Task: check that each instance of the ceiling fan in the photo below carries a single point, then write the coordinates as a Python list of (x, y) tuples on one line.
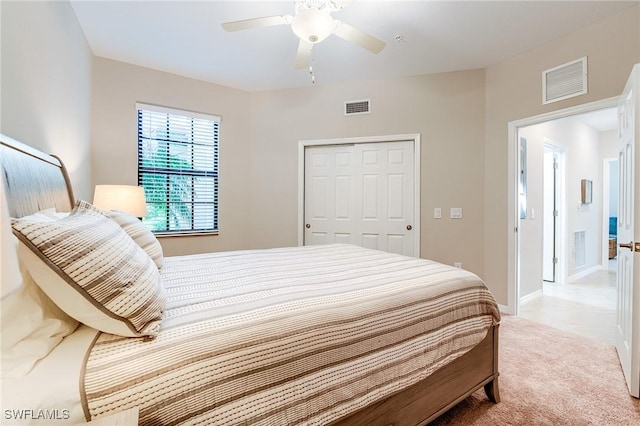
[(312, 23)]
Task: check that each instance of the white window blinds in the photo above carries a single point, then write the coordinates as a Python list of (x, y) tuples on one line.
[(178, 167)]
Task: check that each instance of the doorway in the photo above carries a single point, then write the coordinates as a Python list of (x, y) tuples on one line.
[(552, 207), (519, 263), (610, 181)]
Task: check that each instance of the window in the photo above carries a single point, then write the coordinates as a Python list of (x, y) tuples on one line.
[(178, 168)]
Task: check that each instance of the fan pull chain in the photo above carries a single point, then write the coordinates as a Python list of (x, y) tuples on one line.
[(313, 77)]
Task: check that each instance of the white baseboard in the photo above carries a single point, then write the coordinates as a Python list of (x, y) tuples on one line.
[(504, 309), (584, 273), (531, 296)]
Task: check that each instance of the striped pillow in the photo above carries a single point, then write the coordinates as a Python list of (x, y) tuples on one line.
[(140, 234), (94, 271)]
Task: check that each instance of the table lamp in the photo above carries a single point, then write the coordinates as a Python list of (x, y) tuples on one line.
[(125, 198)]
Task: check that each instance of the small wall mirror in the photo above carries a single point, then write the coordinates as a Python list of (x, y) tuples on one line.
[(586, 195)]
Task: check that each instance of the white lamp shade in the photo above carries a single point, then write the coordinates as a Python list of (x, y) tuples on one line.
[(312, 25), (125, 198)]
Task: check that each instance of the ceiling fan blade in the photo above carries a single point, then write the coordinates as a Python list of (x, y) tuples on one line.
[(304, 54), (358, 37), (336, 5), (247, 24)]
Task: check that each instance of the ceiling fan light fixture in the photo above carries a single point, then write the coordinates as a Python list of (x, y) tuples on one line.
[(312, 25)]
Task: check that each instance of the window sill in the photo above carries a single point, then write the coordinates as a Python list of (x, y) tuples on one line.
[(186, 234)]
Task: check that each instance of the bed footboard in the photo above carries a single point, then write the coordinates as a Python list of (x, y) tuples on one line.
[(428, 399)]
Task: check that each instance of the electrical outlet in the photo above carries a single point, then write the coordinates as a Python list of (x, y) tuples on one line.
[(457, 264), (456, 213)]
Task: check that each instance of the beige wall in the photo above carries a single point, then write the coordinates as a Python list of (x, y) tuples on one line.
[(116, 89), (446, 109), (46, 84), (47, 101), (513, 92), (531, 226), (259, 142), (609, 144), (584, 162)]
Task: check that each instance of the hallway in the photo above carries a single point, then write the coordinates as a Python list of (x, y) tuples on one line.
[(586, 306)]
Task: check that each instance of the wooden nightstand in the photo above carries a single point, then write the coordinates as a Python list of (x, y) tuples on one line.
[(123, 418)]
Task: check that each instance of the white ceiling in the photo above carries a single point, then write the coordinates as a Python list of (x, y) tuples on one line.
[(185, 37), (601, 120)]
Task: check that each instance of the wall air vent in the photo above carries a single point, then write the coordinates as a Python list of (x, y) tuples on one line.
[(357, 107), (564, 81)]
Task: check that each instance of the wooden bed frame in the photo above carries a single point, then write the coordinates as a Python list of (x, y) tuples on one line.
[(34, 181), (428, 399)]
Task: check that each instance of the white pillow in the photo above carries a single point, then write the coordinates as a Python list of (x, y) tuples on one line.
[(94, 271), (31, 324), (139, 232)]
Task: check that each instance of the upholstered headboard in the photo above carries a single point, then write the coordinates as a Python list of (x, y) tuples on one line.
[(33, 180)]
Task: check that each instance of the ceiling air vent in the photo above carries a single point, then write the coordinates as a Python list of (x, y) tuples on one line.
[(357, 107), (565, 81)]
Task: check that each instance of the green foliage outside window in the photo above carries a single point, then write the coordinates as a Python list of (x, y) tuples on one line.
[(178, 168), (163, 207)]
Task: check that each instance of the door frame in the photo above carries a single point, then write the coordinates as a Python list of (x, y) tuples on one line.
[(561, 248), (513, 216), (606, 198), (412, 137)]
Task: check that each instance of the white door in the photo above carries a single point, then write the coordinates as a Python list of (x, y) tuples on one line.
[(628, 280), (360, 194), (549, 215)]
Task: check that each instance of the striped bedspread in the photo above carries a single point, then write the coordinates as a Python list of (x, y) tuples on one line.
[(288, 336)]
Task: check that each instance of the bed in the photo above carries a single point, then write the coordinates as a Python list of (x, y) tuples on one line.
[(331, 334)]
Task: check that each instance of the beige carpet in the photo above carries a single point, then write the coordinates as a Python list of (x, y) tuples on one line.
[(550, 377)]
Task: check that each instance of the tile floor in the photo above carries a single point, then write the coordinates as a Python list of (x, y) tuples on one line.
[(586, 306)]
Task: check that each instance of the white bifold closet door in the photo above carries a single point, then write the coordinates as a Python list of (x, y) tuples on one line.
[(360, 194)]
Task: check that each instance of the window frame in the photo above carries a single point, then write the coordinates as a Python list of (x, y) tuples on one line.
[(214, 172)]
